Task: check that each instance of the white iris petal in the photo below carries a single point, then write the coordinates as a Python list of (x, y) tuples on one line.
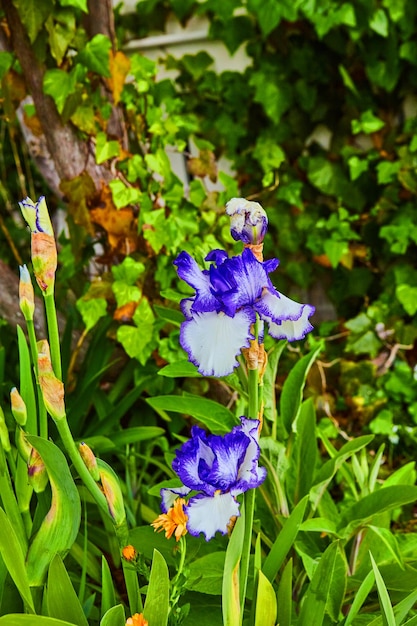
[(287, 319), (209, 515), (213, 340)]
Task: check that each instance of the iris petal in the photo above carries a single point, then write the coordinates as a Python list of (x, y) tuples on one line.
[(191, 463), (213, 340), (190, 272), (229, 452), (169, 495), (210, 515), (287, 319)]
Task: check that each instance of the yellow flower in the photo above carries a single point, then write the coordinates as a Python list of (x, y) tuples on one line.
[(129, 553), (174, 522), (136, 620)]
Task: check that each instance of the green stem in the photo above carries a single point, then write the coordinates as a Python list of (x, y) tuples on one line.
[(129, 573), (253, 392), (84, 474), (176, 591), (42, 415), (53, 334)]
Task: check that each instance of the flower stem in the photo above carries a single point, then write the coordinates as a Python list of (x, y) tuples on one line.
[(84, 474), (53, 333)]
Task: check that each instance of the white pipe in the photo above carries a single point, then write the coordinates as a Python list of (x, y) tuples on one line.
[(170, 39)]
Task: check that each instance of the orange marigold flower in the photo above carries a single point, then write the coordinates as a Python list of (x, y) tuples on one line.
[(129, 553), (136, 620), (174, 522)]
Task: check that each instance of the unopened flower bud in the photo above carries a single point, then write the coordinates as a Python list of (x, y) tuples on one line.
[(129, 553), (23, 446), (4, 433), (26, 294), (44, 253), (18, 407), (111, 489), (90, 460), (52, 388), (248, 221), (37, 472)]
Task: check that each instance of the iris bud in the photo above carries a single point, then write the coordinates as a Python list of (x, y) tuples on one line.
[(44, 253), (90, 460), (37, 472), (52, 388), (18, 407), (111, 489), (26, 294), (248, 221), (4, 433)]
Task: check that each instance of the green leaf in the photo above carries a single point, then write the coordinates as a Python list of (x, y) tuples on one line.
[(335, 250), (96, 55), (285, 595), (360, 597), (216, 417), (180, 369), (60, 84), (108, 596), (31, 620), (136, 340), (115, 616), (407, 296), (14, 559), (33, 15), (122, 195), (206, 573), (128, 271), (156, 607), (327, 588), (373, 504), (292, 390), (27, 390), (387, 171), (266, 602), (230, 586), (92, 310), (329, 469), (384, 598), (61, 599), (357, 166), (284, 541), (76, 4), (387, 538), (59, 528), (368, 123), (6, 62), (106, 150), (303, 455), (379, 23)]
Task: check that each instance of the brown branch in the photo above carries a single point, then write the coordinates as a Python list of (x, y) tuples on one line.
[(70, 155)]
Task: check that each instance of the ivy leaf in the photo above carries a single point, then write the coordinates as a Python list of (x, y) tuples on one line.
[(357, 166), (128, 271), (270, 13), (335, 250), (368, 123), (59, 84), (76, 4), (6, 62), (33, 15), (96, 55), (61, 29), (119, 69), (122, 195), (407, 296), (379, 23), (387, 171), (106, 149), (91, 311)]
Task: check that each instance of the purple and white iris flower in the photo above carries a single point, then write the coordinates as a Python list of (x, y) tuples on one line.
[(218, 468), (229, 296)]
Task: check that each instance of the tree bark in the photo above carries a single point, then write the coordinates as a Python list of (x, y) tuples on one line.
[(71, 156)]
